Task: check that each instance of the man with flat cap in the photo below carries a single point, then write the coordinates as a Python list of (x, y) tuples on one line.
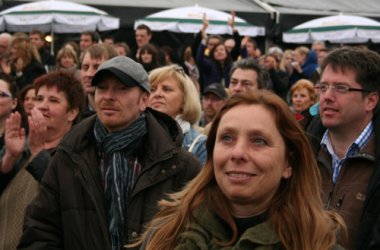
[(213, 98), (111, 169)]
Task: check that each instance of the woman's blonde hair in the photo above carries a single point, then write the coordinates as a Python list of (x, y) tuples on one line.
[(287, 53), (305, 84), (302, 50), (296, 211), (191, 109), (25, 48)]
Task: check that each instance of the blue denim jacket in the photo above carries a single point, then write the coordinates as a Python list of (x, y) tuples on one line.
[(199, 149)]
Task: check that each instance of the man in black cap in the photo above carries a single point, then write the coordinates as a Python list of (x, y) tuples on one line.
[(213, 98), (111, 170)]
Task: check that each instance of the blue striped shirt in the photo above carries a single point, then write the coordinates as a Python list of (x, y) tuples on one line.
[(353, 149)]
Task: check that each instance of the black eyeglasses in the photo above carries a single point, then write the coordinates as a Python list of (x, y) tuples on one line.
[(4, 94), (338, 88)]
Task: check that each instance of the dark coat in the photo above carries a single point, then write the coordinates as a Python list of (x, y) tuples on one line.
[(69, 212), (280, 82), (308, 68), (212, 71), (368, 231), (31, 71)]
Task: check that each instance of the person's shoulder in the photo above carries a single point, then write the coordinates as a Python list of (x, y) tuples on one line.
[(315, 127), (77, 134), (158, 120), (189, 164), (314, 132)]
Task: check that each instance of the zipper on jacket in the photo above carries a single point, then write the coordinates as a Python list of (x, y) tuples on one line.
[(331, 192)]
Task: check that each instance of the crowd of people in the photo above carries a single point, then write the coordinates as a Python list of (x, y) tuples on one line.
[(106, 146)]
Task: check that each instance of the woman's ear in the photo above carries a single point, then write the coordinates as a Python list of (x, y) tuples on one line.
[(14, 103), (72, 114), (287, 173)]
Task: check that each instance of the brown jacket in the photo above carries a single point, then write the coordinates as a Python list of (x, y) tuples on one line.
[(348, 195)]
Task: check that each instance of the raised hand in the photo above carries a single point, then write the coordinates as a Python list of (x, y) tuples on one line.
[(4, 64), (231, 21), (14, 142), (297, 67), (204, 26), (37, 131), (205, 22)]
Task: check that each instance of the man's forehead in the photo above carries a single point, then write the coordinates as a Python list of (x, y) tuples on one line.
[(85, 37), (249, 74), (142, 32), (339, 69), (88, 58)]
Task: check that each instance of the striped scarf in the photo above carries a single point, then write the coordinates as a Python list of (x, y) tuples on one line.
[(118, 173)]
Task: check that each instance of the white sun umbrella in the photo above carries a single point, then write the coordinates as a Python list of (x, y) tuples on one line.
[(56, 16), (189, 20), (335, 29)]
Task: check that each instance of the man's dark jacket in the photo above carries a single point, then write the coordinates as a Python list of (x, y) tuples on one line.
[(69, 212), (368, 236)]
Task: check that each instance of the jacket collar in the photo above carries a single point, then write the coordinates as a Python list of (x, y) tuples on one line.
[(262, 234)]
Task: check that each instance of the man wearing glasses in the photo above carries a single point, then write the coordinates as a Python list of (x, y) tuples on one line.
[(348, 149)]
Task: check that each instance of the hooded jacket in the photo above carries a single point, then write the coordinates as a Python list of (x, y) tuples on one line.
[(69, 212), (308, 68)]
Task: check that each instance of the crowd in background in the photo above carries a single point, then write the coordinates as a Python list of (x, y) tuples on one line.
[(42, 96)]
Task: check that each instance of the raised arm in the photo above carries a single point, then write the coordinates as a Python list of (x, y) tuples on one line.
[(14, 142)]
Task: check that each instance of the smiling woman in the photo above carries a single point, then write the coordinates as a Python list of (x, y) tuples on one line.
[(25, 157), (259, 187)]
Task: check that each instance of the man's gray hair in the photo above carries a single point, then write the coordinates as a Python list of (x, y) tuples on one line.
[(263, 78), (7, 36)]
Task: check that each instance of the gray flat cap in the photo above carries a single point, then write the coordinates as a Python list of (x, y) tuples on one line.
[(129, 72)]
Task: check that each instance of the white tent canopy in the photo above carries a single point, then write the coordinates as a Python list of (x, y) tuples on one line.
[(57, 17), (369, 8), (335, 29), (189, 20)]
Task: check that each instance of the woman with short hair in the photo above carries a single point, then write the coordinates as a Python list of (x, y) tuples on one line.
[(67, 62), (25, 158), (174, 93), (303, 96)]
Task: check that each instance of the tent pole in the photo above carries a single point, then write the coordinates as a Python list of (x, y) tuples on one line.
[(52, 42)]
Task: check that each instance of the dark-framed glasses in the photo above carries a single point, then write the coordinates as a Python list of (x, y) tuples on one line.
[(338, 88), (4, 94)]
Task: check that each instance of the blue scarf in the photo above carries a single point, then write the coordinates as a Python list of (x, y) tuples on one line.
[(118, 173)]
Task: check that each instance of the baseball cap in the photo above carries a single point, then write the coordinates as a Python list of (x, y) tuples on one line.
[(216, 89), (129, 72)]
